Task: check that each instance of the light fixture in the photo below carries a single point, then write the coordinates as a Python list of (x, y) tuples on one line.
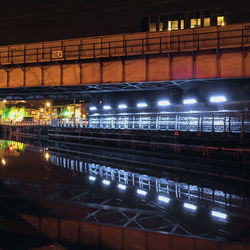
[(163, 198), (121, 186), (92, 108), (92, 178), (3, 161), (217, 99), (106, 107), (142, 105), (46, 156), (141, 192), (190, 206), (122, 106), (106, 182), (219, 214), (163, 103), (189, 101), (47, 104)]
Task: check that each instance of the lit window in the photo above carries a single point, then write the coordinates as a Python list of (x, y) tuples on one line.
[(161, 26), (194, 23), (152, 27), (207, 22), (220, 21), (182, 24), (173, 25), (169, 26)]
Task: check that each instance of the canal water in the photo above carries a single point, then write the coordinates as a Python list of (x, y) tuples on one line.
[(114, 188)]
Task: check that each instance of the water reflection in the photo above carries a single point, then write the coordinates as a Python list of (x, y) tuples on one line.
[(66, 183), (142, 184)]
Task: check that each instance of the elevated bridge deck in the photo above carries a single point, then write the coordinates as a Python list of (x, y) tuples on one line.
[(202, 53)]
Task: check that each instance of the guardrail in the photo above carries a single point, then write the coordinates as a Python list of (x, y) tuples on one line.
[(218, 121), (25, 123), (123, 45)]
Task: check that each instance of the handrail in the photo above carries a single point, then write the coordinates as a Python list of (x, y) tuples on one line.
[(25, 123), (158, 44), (221, 122)]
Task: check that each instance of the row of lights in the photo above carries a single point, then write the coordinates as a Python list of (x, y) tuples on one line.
[(162, 198), (163, 103)]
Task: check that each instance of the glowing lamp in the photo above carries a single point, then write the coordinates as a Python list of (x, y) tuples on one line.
[(142, 105), (217, 99), (163, 103), (106, 107), (189, 101)]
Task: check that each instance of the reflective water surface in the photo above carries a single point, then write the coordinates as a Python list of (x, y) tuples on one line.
[(128, 192)]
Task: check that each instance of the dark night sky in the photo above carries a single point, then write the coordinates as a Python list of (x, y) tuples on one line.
[(31, 21)]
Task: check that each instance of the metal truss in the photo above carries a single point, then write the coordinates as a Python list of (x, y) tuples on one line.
[(82, 90), (92, 206)]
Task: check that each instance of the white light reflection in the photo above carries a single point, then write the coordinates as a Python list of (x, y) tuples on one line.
[(92, 108), (190, 206), (92, 178), (121, 186), (219, 214), (106, 182), (163, 198), (141, 192)]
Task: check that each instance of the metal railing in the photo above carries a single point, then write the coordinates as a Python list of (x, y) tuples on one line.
[(234, 122), (218, 121), (179, 190), (25, 123), (123, 45)]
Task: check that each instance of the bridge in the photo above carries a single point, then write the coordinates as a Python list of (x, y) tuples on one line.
[(127, 61)]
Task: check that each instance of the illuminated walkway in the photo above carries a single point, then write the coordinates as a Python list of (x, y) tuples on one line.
[(216, 121)]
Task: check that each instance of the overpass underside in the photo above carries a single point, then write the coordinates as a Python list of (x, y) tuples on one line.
[(129, 61)]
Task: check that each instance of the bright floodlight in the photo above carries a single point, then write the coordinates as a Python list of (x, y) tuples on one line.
[(189, 101), (218, 98), (141, 192), (190, 206), (163, 103), (219, 214), (122, 106), (163, 198), (121, 186), (106, 107), (92, 108), (142, 105), (92, 178), (106, 182)]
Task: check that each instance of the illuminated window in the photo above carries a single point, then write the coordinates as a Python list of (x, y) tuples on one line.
[(207, 22), (182, 24), (169, 26), (194, 23), (220, 21), (161, 26), (152, 27), (173, 25)]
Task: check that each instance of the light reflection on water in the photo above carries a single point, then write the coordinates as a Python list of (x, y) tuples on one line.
[(178, 190), (193, 201)]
